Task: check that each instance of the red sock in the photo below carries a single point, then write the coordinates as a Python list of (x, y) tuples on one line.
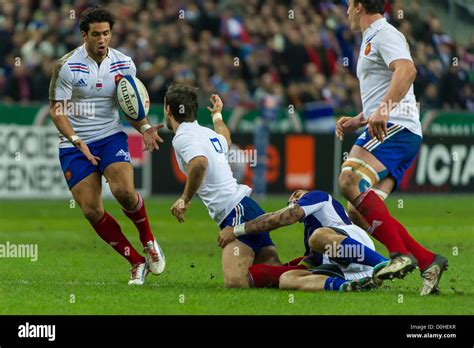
[(265, 276), (373, 208), (422, 255), (294, 262), (140, 219), (109, 230)]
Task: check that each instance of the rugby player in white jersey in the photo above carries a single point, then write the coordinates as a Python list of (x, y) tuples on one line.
[(201, 155), (389, 144), (340, 256), (92, 141)]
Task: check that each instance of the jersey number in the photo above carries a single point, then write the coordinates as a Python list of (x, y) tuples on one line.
[(217, 145)]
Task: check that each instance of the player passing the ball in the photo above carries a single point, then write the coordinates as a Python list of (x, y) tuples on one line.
[(93, 144), (201, 155), (388, 145)]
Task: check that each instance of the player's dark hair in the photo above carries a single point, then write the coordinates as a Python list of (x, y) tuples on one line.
[(183, 102), (372, 6), (95, 14)]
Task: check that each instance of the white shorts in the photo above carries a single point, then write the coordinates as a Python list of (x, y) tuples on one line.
[(353, 270)]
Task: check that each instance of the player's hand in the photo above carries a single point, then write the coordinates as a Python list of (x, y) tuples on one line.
[(82, 146), (217, 104), (378, 125), (178, 209), (226, 236), (346, 125), (151, 138)]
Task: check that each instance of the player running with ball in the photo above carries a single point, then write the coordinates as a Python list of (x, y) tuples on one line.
[(388, 146), (94, 144)]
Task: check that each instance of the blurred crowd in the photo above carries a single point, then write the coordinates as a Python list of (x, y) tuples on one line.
[(299, 50)]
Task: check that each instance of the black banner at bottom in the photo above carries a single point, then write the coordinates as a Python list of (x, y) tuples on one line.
[(44, 331)]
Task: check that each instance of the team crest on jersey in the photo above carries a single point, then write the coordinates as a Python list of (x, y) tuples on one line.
[(368, 49), (117, 78), (68, 175)]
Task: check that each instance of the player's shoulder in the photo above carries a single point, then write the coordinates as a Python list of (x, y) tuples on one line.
[(313, 197), (388, 32), (68, 59), (117, 55), (186, 132)]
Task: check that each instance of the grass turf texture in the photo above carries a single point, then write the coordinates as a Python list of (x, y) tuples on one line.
[(77, 273)]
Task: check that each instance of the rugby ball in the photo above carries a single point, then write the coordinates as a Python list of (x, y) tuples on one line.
[(132, 97)]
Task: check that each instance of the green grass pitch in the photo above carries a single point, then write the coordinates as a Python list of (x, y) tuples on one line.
[(77, 273)]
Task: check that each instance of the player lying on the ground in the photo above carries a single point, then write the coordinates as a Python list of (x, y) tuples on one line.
[(390, 143), (201, 155), (339, 255), (93, 145)]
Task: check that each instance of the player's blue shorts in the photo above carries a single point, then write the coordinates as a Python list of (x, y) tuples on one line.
[(245, 211), (76, 166), (396, 153)]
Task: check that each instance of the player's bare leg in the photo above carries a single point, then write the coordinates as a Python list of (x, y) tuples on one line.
[(353, 183), (308, 281), (120, 178), (302, 280), (267, 255), (237, 257), (402, 247), (88, 194)]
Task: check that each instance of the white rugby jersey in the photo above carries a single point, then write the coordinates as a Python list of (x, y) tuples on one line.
[(219, 191), (89, 89), (381, 45)]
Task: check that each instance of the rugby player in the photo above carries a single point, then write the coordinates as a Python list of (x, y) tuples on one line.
[(94, 144), (389, 144), (340, 256), (201, 155)]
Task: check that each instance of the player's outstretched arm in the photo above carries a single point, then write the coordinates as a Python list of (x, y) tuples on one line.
[(267, 222), (149, 132), (216, 112), (57, 111), (195, 175)]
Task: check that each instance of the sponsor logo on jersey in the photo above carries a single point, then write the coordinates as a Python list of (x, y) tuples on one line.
[(80, 83), (123, 153)]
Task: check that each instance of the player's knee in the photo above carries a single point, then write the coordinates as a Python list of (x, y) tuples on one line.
[(348, 184), (127, 197), (93, 214), (236, 282), (287, 280), (319, 239)]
